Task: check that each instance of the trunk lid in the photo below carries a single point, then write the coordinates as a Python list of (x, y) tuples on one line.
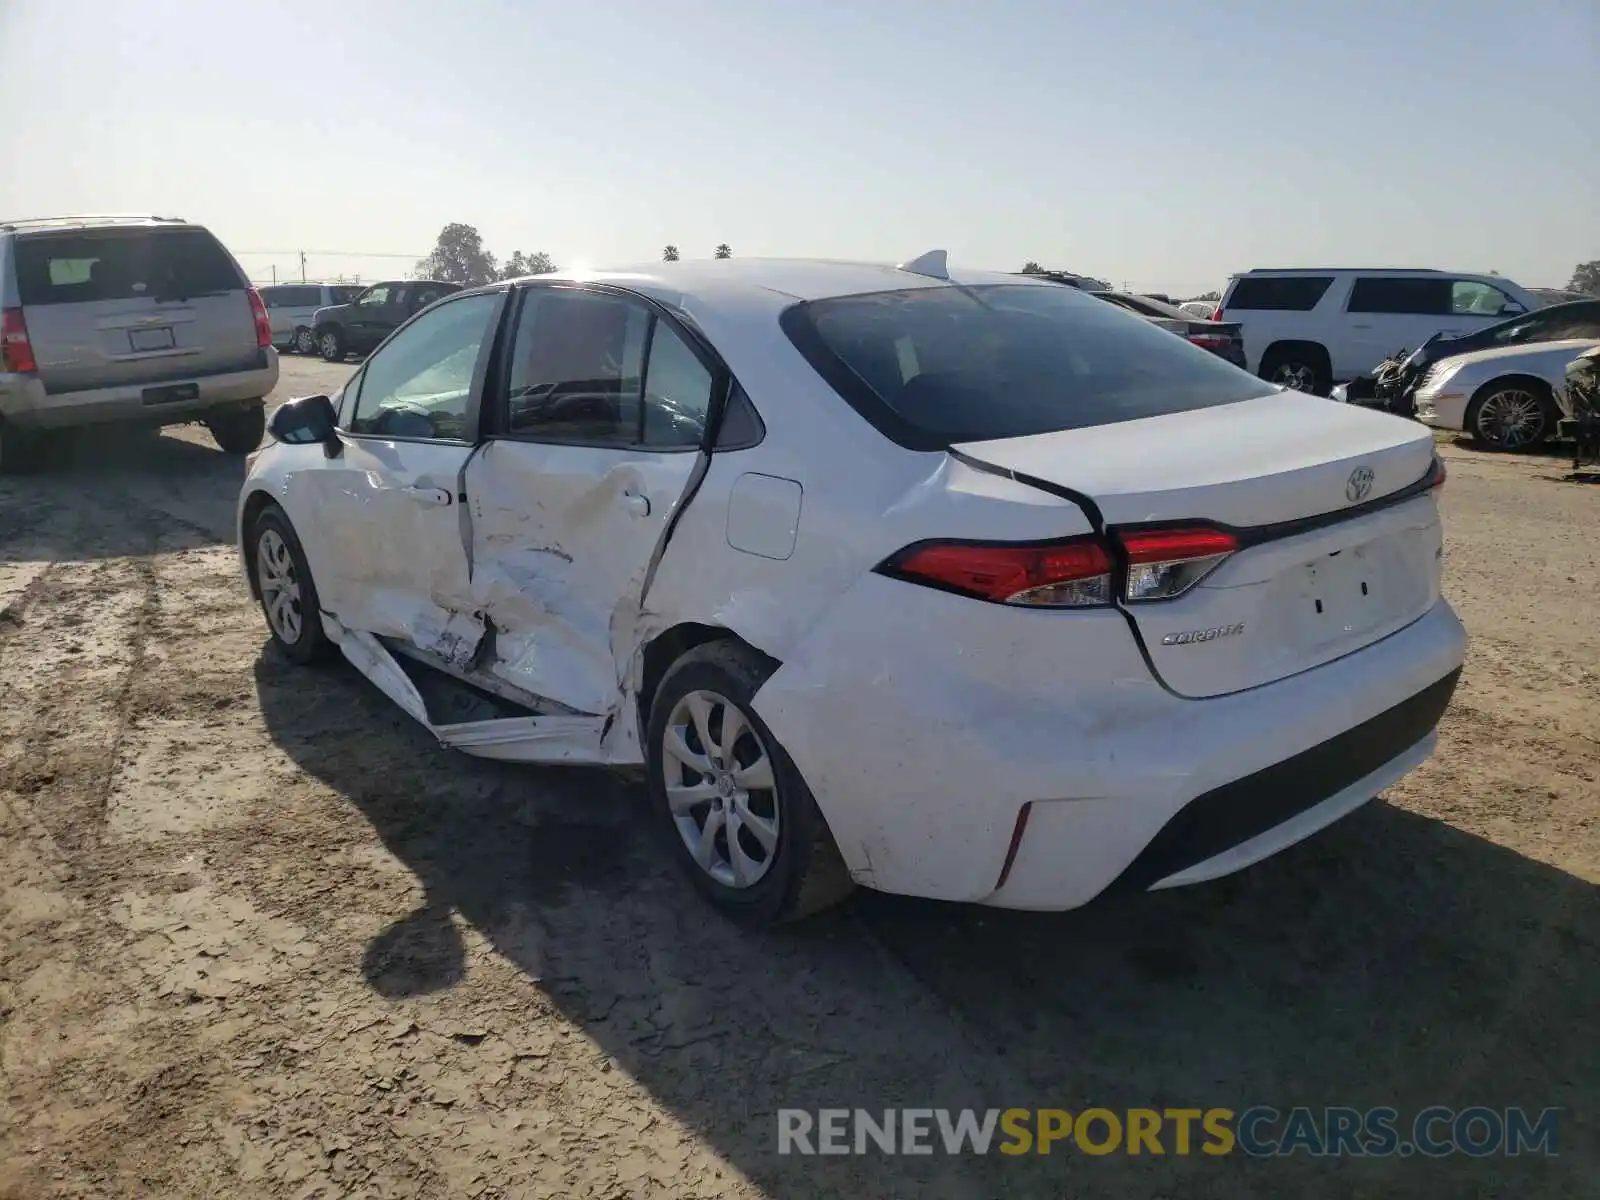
[(116, 307), (1308, 584)]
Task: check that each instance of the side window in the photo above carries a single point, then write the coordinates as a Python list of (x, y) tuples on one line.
[(1416, 295), (677, 392), (577, 368), (421, 297), (269, 296), (1469, 298), (375, 297), (1278, 293), (419, 385)]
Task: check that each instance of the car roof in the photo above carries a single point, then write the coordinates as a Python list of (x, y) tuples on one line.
[(769, 282), (24, 226)]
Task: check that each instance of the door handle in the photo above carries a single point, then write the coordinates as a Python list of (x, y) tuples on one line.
[(636, 505), (431, 496)]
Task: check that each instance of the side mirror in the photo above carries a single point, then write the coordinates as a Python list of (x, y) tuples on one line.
[(305, 420)]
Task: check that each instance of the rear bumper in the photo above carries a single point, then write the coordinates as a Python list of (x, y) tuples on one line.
[(25, 403), (963, 725)]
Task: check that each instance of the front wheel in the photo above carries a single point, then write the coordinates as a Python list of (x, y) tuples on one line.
[(305, 342), (240, 431), (331, 343), (1510, 416), (288, 593), (733, 807)]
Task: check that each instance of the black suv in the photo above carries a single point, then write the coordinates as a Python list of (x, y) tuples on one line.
[(358, 327)]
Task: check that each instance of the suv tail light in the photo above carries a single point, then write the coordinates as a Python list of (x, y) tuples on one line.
[(1163, 563), (1209, 341), (263, 322), (1217, 315), (16, 352), (1073, 573)]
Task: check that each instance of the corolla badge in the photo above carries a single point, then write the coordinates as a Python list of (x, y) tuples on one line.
[(1190, 637), (1357, 487)]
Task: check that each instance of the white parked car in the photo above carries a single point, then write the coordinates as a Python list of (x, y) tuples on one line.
[(292, 306), (1199, 308), (1506, 398), (1308, 328), (952, 584)]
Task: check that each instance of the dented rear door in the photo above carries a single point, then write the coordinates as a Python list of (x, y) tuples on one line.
[(599, 425)]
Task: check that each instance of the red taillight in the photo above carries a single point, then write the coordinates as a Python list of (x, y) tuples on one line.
[(263, 322), (1163, 563), (1075, 573), (16, 352), (1438, 473), (1208, 341)]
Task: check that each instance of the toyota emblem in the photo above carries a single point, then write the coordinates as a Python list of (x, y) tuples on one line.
[(1357, 487)]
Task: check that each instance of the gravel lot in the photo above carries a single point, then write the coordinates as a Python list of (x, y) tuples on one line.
[(259, 936)]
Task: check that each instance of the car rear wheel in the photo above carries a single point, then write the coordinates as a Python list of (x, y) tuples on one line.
[(1510, 415), (238, 432), (733, 807), (331, 343), (288, 593), (305, 342), (1301, 369)]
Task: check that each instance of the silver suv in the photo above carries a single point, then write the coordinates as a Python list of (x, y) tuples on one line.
[(145, 320)]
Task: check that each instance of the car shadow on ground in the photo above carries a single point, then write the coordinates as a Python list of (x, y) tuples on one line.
[(180, 490), (1393, 960)]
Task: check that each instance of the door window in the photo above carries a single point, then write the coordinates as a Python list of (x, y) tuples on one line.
[(677, 392), (375, 297), (1469, 298), (419, 385), (1278, 293), (577, 368), (1412, 295), (423, 296)]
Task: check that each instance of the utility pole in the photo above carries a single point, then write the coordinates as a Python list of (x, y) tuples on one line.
[(274, 273), (302, 266)]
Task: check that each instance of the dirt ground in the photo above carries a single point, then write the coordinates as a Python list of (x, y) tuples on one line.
[(260, 937)]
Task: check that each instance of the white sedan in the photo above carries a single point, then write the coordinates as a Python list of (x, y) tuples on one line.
[(1506, 398), (952, 584)]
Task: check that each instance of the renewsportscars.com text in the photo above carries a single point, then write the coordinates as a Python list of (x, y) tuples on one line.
[(1260, 1131)]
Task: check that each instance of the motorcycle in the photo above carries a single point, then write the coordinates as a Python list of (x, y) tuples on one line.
[(1580, 408)]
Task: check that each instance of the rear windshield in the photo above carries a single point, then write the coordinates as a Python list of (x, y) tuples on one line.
[(160, 264), (1281, 293), (932, 366)]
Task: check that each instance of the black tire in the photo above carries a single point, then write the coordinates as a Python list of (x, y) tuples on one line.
[(331, 344), (1487, 433), (303, 341), (1301, 366), (311, 645), (805, 873), (238, 431)]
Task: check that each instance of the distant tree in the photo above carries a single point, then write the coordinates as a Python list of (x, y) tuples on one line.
[(458, 257), (1032, 268), (520, 264), (723, 251), (1207, 296), (670, 254), (1586, 278)]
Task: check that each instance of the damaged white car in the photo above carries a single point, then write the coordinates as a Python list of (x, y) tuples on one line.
[(952, 584)]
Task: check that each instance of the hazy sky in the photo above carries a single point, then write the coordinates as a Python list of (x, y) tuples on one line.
[(1165, 145)]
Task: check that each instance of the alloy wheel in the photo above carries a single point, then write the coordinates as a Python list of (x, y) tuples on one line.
[(1296, 375), (329, 346), (280, 586), (1511, 417), (721, 790), (305, 341)]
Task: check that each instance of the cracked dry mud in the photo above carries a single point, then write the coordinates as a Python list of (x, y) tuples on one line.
[(259, 937)]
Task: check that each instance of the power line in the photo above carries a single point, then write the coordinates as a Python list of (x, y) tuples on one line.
[(334, 253)]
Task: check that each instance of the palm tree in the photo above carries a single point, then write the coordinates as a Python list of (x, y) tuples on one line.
[(670, 254), (723, 251)]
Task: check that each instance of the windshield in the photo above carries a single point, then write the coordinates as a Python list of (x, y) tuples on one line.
[(932, 366)]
